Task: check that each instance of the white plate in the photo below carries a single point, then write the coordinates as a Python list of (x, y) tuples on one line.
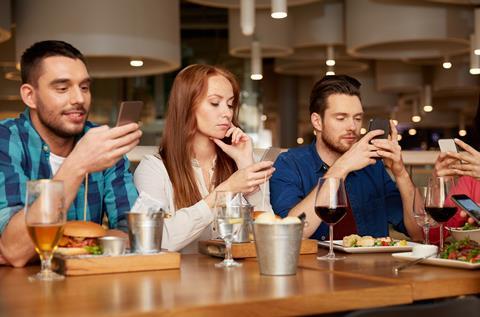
[(407, 256), (338, 245)]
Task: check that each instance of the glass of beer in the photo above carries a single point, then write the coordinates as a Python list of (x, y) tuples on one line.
[(45, 216)]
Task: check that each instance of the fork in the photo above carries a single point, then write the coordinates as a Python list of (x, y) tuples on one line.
[(403, 266)]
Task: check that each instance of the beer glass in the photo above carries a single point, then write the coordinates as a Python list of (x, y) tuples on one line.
[(45, 216)]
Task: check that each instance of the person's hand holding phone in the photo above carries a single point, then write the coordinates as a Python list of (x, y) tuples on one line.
[(391, 152), (240, 149), (361, 154), (464, 163)]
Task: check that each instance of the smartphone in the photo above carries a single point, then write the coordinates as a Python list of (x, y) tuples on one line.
[(467, 204), (447, 145), (271, 154), (129, 112), (379, 124)]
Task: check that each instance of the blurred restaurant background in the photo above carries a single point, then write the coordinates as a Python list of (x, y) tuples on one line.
[(416, 60)]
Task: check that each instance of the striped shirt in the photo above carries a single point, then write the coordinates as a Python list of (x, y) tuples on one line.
[(25, 156)]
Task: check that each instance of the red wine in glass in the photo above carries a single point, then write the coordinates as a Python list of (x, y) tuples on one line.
[(331, 215), (441, 214)]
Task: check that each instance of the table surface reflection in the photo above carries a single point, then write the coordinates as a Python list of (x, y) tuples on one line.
[(199, 288)]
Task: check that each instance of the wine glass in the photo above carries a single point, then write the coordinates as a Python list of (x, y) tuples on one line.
[(331, 206), (436, 203), (45, 217), (421, 216), (229, 220)]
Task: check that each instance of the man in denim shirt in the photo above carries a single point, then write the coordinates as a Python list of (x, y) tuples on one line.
[(336, 116), (52, 139)]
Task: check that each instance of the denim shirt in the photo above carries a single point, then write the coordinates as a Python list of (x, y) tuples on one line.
[(25, 156), (374, 197)]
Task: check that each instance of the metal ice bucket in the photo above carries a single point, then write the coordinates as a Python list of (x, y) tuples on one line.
[(278, 247), (145, 231)]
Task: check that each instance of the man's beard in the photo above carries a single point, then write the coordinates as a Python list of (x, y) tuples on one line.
[(55, 126), (332, 145)]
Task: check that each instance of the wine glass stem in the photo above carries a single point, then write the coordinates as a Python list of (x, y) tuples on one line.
[(441, 237), (426, 231), (46, 261), (330, 252), (228, 250)]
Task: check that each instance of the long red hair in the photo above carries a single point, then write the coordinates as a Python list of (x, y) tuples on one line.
[(176, 149)]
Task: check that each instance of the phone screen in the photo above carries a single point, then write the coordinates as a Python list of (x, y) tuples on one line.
[(467, 204)]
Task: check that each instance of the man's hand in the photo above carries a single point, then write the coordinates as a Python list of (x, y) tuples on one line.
[(361, 154), (100, 148), (391, 152)]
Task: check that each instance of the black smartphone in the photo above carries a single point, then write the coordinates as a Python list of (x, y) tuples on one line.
[(467, 204), (129, 112), (379, 124)]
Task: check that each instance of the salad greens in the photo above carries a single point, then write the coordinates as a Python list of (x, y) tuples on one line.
[(464, 250)]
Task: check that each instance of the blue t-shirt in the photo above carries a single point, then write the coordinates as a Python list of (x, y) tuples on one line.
[(374, 197)]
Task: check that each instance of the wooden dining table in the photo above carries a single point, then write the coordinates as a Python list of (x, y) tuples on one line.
[(200, 289)]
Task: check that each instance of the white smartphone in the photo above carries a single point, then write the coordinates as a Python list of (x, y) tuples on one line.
[(447, 145), (271, 154)]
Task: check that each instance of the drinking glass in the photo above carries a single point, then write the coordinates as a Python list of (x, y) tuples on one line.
[(436, 203), (229, 220), (45, 217), (421, 216), (331, 206)]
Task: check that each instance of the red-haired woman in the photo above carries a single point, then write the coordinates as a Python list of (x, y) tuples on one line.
[(193, 161)]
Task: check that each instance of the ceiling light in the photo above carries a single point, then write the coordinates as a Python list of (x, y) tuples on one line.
[(247, 16), (330, 56), (446, 63), (256, 61), (415, 115), (299, 140), (416, 118), (363, 131), (462, 132), (412, 131), (427, 108), (279, 9), (474, 59), (427, 98), (330, 71), (136, 63), (263, 117)]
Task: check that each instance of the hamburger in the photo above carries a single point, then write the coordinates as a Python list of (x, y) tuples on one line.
[(80, 237)]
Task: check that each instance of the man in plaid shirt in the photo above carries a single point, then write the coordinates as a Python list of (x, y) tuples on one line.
[(53, 139)]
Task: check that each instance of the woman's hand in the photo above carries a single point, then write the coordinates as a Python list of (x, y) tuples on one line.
[(241, 149), (466, 163), (247, 180)]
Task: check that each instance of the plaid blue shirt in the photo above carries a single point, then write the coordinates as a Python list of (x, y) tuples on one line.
[(25, 156)]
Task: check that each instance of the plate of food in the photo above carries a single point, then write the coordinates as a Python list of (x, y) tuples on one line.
[(471, 231), (463, 254), (367, 244)]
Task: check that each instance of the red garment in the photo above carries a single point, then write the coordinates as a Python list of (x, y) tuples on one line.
[(465, 185)]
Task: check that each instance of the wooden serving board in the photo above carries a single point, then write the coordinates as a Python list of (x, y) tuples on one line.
[(247, 249), (101, 264)]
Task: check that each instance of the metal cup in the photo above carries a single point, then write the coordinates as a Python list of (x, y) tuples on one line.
[(145, 231), (278, 247), (112, 245), (245, 211)]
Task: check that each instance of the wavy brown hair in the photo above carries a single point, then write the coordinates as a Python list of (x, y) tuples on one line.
[(176, 149)]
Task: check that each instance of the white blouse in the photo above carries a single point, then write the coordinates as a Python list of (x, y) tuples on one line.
[(186, 226)]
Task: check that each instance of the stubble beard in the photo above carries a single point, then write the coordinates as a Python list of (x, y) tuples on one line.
[(48, 121)]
